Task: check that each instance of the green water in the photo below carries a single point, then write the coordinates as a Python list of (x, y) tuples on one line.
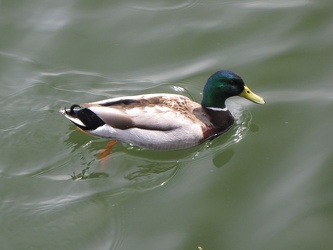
[(266, 184)]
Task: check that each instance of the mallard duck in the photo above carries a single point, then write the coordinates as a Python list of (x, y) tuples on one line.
[(164, 121)]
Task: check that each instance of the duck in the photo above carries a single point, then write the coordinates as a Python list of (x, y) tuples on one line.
[(164, 121)]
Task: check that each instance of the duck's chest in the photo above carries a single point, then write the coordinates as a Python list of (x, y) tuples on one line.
[(214, 122)]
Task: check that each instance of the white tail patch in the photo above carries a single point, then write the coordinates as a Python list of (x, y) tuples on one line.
[(73, 119)]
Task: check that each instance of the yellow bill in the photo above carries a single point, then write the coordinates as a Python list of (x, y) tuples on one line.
[(248, 94)]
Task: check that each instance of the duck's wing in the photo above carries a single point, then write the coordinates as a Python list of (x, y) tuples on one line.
[(162, 112)]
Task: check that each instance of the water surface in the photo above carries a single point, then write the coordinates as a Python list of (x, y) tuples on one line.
[(265, 184)]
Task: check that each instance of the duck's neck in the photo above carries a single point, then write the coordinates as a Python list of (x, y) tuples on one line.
[(217, 109), (214, 101), (213, 104)]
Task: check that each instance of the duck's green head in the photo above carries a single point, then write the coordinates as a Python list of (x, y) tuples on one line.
[(224, 84)]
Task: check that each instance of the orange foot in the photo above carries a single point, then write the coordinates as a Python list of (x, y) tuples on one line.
[(103, 156)]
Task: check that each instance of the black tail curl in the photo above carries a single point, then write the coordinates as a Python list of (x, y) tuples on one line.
[(73, 112), (86, 116)]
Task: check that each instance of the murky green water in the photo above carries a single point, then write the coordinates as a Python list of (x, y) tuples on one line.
[(266, 184)]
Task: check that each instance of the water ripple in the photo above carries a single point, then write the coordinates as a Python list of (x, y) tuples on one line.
[(178, 6), (273, 4)]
